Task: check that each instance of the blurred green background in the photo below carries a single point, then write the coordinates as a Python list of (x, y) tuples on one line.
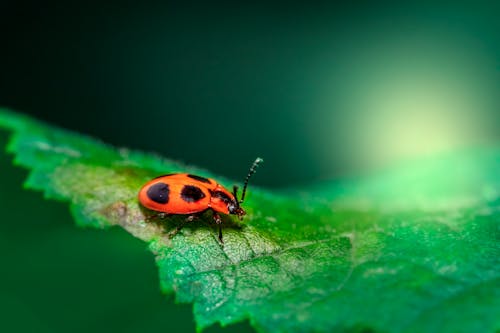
[(320, 91)]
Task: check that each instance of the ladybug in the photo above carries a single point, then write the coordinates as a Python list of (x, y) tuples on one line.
[(192, 195)]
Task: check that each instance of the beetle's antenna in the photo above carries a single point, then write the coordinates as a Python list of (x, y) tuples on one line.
[(252, 170), (235, 193)]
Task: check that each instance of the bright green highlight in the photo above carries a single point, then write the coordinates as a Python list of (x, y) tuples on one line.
[(414, 249), (391, 95)]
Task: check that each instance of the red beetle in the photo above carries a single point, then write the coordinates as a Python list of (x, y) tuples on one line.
[(187, 194)]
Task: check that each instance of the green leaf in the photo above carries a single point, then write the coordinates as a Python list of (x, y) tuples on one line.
[(411, 249)]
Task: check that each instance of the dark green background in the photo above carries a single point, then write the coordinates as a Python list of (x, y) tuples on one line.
[(320, 91)]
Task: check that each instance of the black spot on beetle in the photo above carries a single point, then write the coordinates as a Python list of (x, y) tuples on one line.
[(221, 195), (199, 178), (191, 193), (158, 193)]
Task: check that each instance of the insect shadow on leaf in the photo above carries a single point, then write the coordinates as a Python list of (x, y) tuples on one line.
[(174, 223)]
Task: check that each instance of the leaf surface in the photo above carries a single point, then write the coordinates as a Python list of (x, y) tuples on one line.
[(412, 249)]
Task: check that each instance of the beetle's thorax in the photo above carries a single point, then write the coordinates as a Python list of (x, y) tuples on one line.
[(224, 202)]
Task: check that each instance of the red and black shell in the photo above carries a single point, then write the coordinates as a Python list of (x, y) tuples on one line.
[(184, 193)]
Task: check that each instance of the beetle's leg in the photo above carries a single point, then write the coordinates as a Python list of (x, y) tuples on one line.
[(218, 221), (191, 218), (150, 217), (188, 219)]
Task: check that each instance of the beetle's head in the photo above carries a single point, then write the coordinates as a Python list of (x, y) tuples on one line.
[(234, 208)]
